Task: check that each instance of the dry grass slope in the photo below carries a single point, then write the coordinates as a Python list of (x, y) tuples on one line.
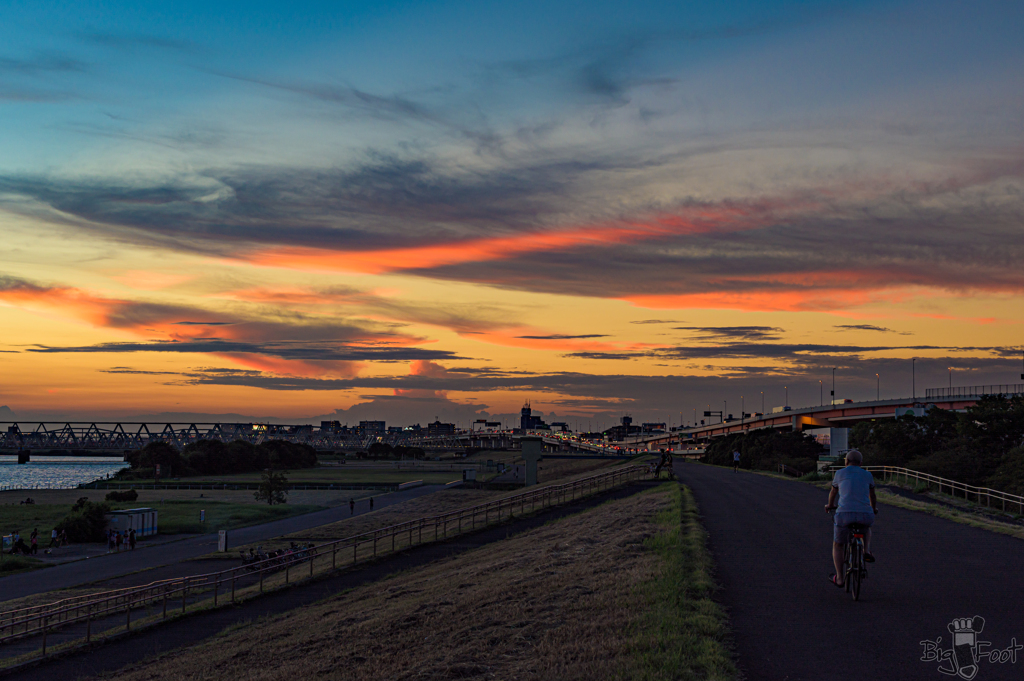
[(560, 602)]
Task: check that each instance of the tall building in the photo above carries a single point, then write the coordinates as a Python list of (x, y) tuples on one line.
[(527, 421)]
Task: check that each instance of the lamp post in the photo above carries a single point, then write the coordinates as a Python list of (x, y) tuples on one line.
[(725, 409), (742, 415), (878, 388), (951, 381), (833, 385), (821, 392), (787, 394), (762, 403)]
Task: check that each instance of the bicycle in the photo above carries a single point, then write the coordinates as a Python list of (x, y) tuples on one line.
[(855, 569)]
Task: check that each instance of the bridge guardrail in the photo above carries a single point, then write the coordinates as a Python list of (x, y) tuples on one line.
[(954, 487), (42, 619)]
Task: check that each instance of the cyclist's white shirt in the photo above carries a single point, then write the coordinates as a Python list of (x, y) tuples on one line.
[(854, 484)]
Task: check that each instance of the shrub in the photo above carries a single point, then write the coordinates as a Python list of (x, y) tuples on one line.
[(86, 522), (122, 495)]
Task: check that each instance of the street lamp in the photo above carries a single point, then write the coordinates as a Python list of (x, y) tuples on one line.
[(833, 385), (878, 388), (821, 392), (950, 380), (787, 394), (762, 403), (742, 416)]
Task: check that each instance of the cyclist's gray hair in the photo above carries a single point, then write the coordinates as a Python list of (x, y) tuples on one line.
[(854, 456)]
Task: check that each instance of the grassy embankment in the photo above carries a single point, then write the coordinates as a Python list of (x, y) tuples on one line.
[(174, 516), (327, 475), (621, 590)]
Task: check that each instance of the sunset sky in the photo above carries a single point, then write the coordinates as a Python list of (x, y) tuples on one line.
[(402, 210)]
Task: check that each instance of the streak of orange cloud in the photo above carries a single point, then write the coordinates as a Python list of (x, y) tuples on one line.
[(691, 221)]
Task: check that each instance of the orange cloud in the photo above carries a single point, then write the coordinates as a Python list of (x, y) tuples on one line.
[(691, 221)]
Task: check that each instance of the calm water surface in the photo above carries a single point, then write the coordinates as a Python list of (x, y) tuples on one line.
[(55, 472)]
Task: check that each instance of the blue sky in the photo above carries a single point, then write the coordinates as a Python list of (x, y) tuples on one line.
[(438, 178)]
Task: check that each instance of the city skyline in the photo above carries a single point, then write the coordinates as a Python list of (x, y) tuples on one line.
[(401, 211)]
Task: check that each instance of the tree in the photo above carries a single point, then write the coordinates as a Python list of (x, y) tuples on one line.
[(273, 488)]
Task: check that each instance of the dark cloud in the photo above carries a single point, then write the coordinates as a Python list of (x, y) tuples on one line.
[(657, 321), (140, 372), (868, 327), (203, 323), (293, 350), (559, 336), (42, 64), (748, 333)]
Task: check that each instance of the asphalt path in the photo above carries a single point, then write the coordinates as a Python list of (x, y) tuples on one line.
[(771, 540), (109, 566)]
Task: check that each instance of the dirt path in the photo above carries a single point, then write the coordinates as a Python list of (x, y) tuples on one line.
[(771, 540), (193, 630)]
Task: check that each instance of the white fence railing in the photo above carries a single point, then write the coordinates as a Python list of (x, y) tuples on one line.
[(980, 495)]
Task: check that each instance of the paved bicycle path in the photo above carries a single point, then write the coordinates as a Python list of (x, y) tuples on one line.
[(771, 540), (109, 566)]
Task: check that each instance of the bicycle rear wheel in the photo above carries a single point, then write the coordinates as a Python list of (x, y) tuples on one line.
[(847, 567), (857, 569)]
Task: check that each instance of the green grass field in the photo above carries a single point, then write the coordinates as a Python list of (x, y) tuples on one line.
[(174, 517), (338, 475)]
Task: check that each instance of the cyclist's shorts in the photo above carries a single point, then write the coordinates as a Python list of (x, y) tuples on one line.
[(841, 531)]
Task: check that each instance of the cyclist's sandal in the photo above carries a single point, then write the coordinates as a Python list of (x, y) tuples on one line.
[(833, 578), (868, 558)]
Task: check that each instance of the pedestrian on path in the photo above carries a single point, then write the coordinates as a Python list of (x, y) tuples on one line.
[(351, 506), (34, 541), (53, 537), (131, 539), (735, 461), (110, 541), (371, 503)]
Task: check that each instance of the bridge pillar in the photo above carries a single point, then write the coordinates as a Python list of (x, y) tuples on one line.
[(533, 451), (24, 456)]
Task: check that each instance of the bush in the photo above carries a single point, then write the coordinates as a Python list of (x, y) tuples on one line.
[(86, 522), (765, 450), (122, 495)]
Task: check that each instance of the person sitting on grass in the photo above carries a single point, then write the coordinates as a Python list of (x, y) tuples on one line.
[(855, 489)]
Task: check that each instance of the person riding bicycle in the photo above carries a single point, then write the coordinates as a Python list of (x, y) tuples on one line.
[(855, 489)]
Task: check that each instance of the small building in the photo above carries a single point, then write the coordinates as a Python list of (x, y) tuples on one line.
[(142, 520)]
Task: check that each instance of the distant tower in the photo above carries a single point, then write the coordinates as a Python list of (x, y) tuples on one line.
[(526, 418)]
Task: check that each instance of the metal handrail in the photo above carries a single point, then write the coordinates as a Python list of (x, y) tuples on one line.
[(986, 493), (40, 619), (974, 391)]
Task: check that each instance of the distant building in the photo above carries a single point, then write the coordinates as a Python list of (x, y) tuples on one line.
[(371, 428), (330, 426), (623, 430), (527, 421), (484, 424), (438, 429), (654, 427)]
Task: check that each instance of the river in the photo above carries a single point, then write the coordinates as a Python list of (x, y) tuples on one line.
[(55, 472)]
